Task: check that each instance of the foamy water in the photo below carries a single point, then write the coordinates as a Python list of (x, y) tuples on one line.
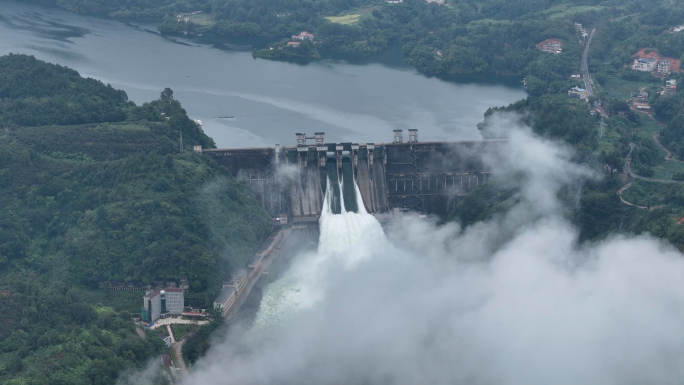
[(342, 240)]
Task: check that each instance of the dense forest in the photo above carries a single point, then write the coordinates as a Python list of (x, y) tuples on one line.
[(110, 199)]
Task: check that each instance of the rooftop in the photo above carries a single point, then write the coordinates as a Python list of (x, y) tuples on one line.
[(168, 290), (224, 294)]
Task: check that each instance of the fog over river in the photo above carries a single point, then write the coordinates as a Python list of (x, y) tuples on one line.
[(270, 101)]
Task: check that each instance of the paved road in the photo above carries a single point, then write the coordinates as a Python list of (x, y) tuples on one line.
[(171, 320), (168, 329), (625, 187), (262, 267), (585, 66), (178, 348), (623, 17)]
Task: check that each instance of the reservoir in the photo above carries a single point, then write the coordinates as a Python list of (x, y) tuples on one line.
[(269, 101)]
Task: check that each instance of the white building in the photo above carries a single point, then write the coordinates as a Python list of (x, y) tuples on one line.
[(159, 303), (645, 64), (578, 93), (663, 66), (553, 46), (671, 86), (225, 299)]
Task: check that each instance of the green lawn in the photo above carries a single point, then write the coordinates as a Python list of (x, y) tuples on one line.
[(353, 16), (650, 126), (668, 169), (203, 19), (346, 19), (615, 87), (181, 330), (130, 126), (565, 10), (607, 143)]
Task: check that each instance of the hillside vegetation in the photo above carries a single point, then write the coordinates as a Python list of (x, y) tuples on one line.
[(657, 207), (102, 201), (460, 36)]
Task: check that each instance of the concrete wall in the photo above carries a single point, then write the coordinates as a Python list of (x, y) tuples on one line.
[(428, 178)]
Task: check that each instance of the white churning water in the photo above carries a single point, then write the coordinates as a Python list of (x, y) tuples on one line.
[(343, 239)]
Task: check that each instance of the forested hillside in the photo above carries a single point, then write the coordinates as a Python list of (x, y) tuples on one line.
[(90, 204), (459, 36), (619, 202)]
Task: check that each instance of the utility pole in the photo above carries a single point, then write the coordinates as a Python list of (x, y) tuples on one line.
[(602, 127), (181, 140)]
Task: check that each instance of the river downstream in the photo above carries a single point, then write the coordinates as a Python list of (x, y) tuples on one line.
[(270, 101)]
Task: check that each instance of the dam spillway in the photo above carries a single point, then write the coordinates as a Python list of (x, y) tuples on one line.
[(423, 177)]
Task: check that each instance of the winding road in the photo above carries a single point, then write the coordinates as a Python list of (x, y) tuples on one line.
[(628, 170), (669, 157), (585, 66)]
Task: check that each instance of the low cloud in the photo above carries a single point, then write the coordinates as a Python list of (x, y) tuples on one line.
[(512, 300)]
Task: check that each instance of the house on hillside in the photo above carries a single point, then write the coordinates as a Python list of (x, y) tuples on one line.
[(663, 67), (550, 45), (642, 97), (670, 86), (578, 93), (303, 36), (293, 44), (582, 31), (645, 64)]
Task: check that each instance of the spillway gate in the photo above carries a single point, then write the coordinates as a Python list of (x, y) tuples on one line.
[(424, 177)]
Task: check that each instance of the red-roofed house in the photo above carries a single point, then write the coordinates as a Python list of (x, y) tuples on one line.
[(303, 36), (294, 44)]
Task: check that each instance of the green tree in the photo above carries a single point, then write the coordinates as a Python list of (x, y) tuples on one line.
[(167, 94)]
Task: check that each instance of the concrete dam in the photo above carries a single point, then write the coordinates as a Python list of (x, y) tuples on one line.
[(423, 177)]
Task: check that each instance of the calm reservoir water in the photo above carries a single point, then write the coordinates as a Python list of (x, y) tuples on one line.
[(270, 101)]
